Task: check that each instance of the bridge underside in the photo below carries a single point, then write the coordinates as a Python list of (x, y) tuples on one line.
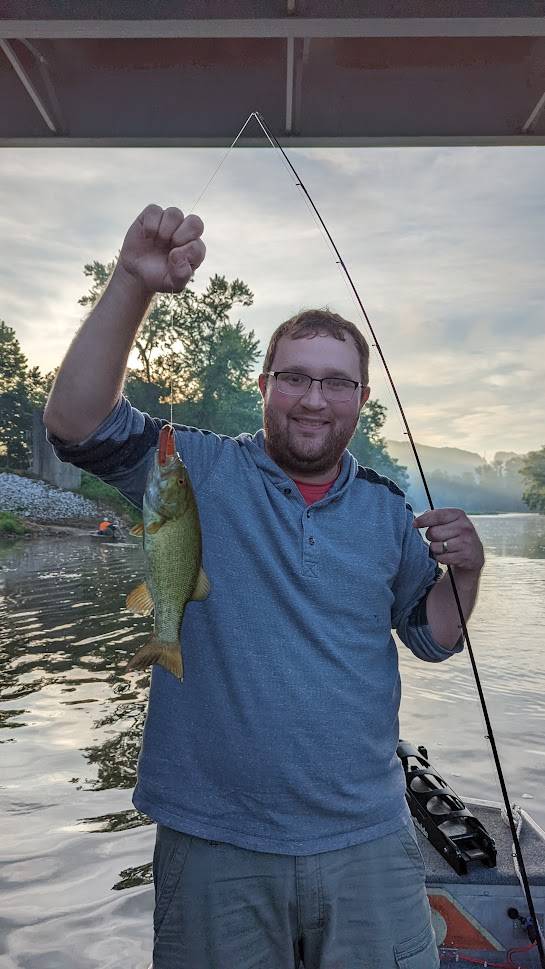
[(147, 74)]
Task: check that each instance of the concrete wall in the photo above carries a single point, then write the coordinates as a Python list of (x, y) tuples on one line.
[(45, 462)]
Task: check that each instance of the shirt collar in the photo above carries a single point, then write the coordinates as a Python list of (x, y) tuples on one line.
[(256, 445)]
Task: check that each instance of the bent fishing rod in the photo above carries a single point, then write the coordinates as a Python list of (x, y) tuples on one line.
[(490, 735), (271, 138)]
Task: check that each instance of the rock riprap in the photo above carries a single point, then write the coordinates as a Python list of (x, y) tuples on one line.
[(28, 498)]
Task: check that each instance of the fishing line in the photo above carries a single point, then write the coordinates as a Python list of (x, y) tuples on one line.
[(169, 307), (349, 289), (490, 735)]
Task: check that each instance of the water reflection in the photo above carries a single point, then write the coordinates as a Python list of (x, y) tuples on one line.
[(512, 535), (71, 721)]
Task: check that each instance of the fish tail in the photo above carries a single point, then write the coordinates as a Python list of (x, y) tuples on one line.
[(158, 651)]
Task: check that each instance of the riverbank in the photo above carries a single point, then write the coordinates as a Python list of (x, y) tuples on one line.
[(32, 529), (13, 528), (31, 508)]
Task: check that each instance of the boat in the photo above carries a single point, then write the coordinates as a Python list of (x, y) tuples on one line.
[(473, 882), (110, 534)]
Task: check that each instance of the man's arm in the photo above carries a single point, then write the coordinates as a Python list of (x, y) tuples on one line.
[(453, 541), (159, 254), (441, 608), (91, 376)]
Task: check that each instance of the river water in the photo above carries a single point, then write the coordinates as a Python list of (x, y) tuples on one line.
[(75, 857)]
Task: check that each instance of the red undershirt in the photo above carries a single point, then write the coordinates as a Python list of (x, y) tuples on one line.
[(313, 492)]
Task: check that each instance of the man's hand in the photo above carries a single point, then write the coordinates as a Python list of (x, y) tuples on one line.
[(464, 553), (454, 540), (162, 249)]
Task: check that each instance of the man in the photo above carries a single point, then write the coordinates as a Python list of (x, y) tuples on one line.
[(271, 770)]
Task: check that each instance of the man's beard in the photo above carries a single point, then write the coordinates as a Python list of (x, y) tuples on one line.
[(297, 456)]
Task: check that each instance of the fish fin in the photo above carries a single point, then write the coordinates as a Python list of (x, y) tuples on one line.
[(202, 586), (157, 650), (154, 527), (139, 600), (138, 530)]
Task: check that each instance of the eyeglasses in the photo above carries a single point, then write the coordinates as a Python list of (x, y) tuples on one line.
[(335, 389)]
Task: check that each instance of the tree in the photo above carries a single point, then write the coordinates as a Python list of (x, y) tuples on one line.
[(533, 471), (21, 389), (191, 354), (369, 447), (175, 341)]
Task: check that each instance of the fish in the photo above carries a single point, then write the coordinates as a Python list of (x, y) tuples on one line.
[(174, 575)]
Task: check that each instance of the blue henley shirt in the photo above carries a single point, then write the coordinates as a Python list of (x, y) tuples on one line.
[(282, 736)]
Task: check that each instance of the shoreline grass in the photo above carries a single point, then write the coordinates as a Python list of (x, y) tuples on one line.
[(103, 494), (11, 526)]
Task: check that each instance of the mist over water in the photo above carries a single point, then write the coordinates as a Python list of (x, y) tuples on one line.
[(75, 857)]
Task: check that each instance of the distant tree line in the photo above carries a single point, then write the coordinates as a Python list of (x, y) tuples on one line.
[(493, 487), (533, 473)]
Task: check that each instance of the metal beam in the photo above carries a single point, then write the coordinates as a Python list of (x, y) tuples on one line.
[(290, 141), (279, 27), (26, 82), (535, 113), (290, 60)]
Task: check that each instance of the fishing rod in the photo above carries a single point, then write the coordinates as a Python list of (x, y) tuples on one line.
[(490, 735), (340, 261)]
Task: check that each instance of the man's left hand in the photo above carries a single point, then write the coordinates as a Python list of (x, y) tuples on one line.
[(453, 539)]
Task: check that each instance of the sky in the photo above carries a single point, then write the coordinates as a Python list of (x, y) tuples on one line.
[(445, 247)]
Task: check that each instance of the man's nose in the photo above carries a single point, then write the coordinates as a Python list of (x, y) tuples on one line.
[(314, 395)]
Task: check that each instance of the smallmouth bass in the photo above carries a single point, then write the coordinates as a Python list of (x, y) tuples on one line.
[(173, 555)]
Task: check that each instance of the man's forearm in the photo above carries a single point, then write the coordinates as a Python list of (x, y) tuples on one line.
[(90, 378), (441, 608)]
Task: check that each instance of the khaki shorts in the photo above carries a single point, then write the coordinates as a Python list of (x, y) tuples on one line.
[(222, 907)]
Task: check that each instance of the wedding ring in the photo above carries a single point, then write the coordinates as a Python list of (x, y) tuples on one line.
[(445, 546)]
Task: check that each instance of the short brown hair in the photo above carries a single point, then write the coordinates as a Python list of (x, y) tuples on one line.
[(314, 322)]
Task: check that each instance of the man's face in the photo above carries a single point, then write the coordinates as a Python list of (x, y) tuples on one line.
[(311, 453)]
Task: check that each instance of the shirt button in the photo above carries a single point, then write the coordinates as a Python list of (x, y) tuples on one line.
[(308, 514), (311, 540), (287, 491)]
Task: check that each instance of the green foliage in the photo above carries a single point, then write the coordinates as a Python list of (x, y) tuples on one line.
[(97, 490), (147, 397), (533, 471), (100, 275), (21, 389), (10, 525), (370, 449), (191, 355), (188, 345)]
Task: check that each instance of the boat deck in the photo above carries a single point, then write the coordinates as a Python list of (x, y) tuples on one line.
[(470, 912), (531, 842)]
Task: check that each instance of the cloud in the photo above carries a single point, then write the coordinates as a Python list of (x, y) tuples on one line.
[(444, 247)]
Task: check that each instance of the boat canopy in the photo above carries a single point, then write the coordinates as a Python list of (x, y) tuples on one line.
[(322, 72)]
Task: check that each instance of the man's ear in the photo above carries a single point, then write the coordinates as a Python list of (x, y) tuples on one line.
[(262, 382), (364, 396)]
